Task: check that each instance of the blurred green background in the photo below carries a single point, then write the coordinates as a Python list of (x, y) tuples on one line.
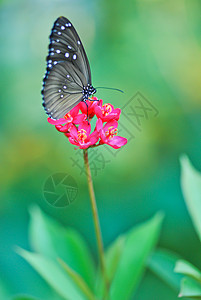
[(151, 46)]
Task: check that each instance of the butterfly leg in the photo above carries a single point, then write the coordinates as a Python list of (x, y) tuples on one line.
[(87, 110), (93, 100)]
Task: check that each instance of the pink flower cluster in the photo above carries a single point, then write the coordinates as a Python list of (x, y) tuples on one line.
[(77, 129)]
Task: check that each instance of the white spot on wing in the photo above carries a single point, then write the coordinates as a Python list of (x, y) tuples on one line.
[(74, 56), (66, 54)]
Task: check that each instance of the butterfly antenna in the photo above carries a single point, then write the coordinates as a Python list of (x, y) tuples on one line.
[(108, 88)]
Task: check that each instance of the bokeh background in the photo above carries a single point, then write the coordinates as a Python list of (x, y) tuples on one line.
[(150, 46)]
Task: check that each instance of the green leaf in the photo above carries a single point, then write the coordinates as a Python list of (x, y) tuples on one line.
[(138, 244), (191, 187), (52, 240), (162, 263), (112, 256), (186, 268), (54, 275), (190, 288), (78, 280)]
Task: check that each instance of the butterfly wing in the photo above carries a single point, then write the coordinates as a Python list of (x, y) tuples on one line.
[(68, 70)]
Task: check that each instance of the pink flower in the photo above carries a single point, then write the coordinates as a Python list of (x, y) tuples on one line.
[(81, 136), (72, 117), (77, 128), (107, 112), (91, 107), (108, 134)]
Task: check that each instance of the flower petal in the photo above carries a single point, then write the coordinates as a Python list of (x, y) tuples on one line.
[(67, 134), (73, 132), (99, 125), (86, 126), (85, 145), (111, 123), (117, 142), (62, 128), (94, 98), (79, 118), (98, 111), (103, 137), (115, 114), (72, 141), (94, 137), (100, 103), (83, 106), (57, 122), (74, 111)]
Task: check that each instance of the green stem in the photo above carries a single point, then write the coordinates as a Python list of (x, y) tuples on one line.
[(96, 221)]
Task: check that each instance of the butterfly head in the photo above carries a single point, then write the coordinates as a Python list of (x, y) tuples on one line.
[(88, 91)]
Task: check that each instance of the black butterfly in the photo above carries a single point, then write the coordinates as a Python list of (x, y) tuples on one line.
[(68, 76)]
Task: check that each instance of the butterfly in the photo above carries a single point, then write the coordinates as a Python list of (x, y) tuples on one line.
[(67, 80)]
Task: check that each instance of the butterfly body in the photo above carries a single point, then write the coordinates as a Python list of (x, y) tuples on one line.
[(68, 76)]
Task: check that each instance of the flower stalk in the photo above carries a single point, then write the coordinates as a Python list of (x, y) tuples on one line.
[(76, 126), (96, 221)]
